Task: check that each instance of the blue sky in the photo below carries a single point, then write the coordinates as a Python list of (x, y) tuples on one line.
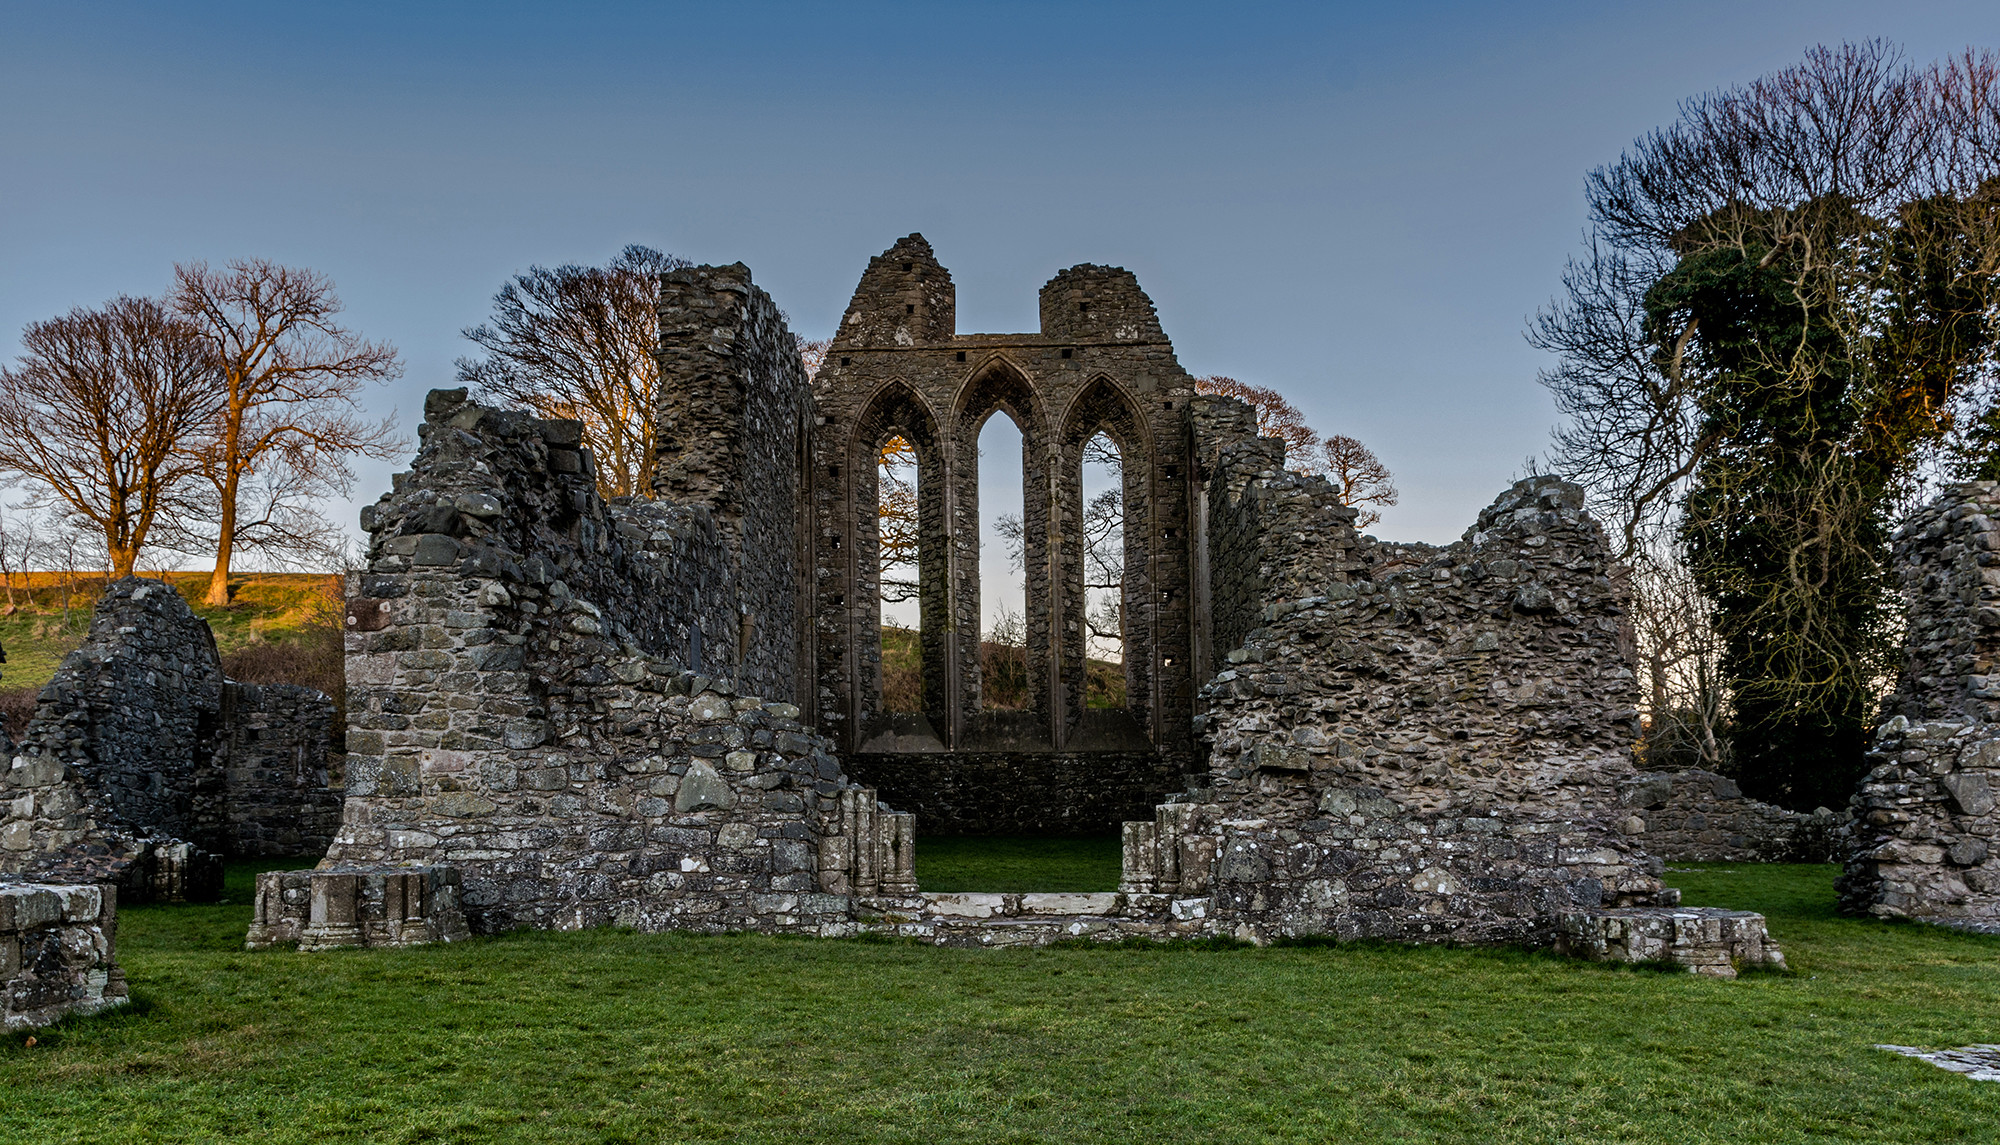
[(1360, 205)]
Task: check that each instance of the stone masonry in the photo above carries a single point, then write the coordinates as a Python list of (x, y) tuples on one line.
[(143, 763), (566, 713), (1926, 823), (56, 953)]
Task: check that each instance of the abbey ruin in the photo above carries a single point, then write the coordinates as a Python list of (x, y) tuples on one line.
[(669, 712)]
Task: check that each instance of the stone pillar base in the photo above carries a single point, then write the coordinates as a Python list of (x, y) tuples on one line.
[(378, 906), (1707, 940), (56, 953)]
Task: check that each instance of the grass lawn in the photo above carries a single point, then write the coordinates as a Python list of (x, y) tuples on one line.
[(1008, 863), (611, 1036)]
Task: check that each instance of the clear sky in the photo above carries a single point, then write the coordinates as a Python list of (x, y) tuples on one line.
[(1360, 205)]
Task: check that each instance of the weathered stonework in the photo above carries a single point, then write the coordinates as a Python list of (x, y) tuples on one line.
[(327, 909), (1413, 742), (1926, 827), (143, 763), (1707, 940), (1701, 817), (57, 953), (579, 713), (1099, 363)]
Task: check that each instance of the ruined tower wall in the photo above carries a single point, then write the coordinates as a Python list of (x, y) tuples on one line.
[(1926, 831), (541, 694), (733, 422)]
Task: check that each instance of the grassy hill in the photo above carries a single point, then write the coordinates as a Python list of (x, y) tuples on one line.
[(278, 628)]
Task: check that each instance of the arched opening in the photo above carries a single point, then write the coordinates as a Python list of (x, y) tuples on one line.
[(1103, 538), (898, 539), (1104, 605), (898, 632), (1003, 591)]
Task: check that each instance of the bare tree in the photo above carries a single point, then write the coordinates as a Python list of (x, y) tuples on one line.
[(1364, 481), (896, 523), (577, 342), (290, 419), (98, 415)]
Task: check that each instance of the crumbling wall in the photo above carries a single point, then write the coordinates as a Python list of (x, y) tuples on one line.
[(143, 764), (1926, 827), (1699, 816), (733, 417), (117, 779), (1414, 743), (1019, 793), (541, 694)]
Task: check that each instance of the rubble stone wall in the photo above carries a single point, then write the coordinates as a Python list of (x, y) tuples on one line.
[(143, 764), (734, 417), (544, 691), (282, 773), (1415, 743), (1924, 841), (1699, 816)]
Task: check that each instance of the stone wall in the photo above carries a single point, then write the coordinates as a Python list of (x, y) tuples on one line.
[(1926, 829), (544, 691), (143, 764), (282, 774), (734, 417), (57, 953), (1018, 793), (897, 367), (1414, 743), (1699, 816)]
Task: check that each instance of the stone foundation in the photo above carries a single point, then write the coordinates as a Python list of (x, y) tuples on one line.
[(56, 953), (1707, 940), (327, 909)]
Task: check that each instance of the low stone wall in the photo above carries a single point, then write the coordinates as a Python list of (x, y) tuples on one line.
[(995, 920), (57, 953), (1697, 816), (1019, 793)]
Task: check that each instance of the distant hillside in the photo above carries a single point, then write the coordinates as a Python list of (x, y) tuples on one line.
[(279, 628), (1003, 668)]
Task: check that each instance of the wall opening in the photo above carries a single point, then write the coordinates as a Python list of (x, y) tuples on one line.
[(1003, 648), (1103, 538), (898, 536)]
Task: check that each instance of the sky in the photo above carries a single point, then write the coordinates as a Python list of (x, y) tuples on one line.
[(1361, 205)]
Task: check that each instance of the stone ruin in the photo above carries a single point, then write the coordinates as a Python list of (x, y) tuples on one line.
[(667, 712), (143, 764), (1927, 826)]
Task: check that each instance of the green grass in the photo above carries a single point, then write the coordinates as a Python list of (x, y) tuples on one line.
[(1006, 863), (610, 1036)]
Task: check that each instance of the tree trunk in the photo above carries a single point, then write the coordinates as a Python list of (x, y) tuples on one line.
[(225, 542)]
